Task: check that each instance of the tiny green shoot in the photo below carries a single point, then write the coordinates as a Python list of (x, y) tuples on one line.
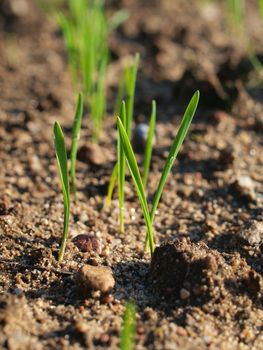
[(128, 326), (133, 167), (126, 88), (112, 182), (149, 145), (130, 74), (135, 173), (85, 29), (236, 10), (121, 168), (175, 148), (74, 142), (260, 4), (61, 155)]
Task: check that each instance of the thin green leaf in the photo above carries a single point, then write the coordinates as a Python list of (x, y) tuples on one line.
[(62, 162), (121, 168), (260, 3), (74, 142), (117, 19), (112, 183), (135, 173), (149, 145), (128, 326), (179, 139), (131, 75)]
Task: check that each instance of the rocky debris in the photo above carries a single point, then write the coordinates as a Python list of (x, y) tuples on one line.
[(95, 278), (140, 137), (88, 243), (197, 274), (17, 321), (226, 157), (16, 8), (252, 233), (5, 205), (92, 154), (244, 187)]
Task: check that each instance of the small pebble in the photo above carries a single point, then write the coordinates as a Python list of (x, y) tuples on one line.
[(88, 243), (140, 137), (92, 153), (245, 187), (95, 278), (184, 294), (252, 232)]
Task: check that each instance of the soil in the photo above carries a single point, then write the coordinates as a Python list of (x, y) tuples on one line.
[(203, 288)]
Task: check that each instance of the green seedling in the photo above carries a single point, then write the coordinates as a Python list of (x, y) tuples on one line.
[(236, 10), (85, 30), (130, 74), (62, 162), (126, 89), (121, 168), (134, 170), (128, 326), (149, 145), (260, 4), (135, 173), (236, 14), (74, 142), (112, 183)]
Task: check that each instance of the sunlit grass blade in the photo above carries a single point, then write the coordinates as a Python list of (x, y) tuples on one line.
[(126, 87), (149, 145), (62, 162), (121, 168), (68, 32), (98, 103), (128, 326), (130, 76), (236, 10), (176, 146), (74, 142), (85, 29), (260, 4), (179, 139), (112, 182), (117, 19), (120, 95), (135, 173)]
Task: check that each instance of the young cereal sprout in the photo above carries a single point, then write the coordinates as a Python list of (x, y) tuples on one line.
[(74, 142), (128, 326), (121, 168), (260, 4), (126, 88), (61, 155), (85, 29), (135, 173), (62, 161), (149, 144), (236, 15)]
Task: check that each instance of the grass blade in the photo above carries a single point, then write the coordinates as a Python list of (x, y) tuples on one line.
[(149, 145), (131, 75), (135, 173), (260, 3), (121, 168), (112, 183), (126, 86), (74, 142), (179, 139), (128, 327), (62, 162)]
